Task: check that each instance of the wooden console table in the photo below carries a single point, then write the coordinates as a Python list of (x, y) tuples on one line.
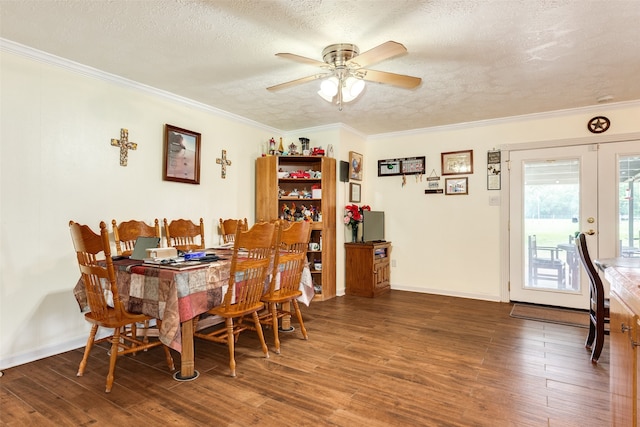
[(623, 275), (368, 268)]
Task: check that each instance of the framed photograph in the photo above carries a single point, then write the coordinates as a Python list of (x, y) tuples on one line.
[(354, 192), (355, 165), (181, 155), (403, 166), (457, 162), (493, 170), (455, 186)]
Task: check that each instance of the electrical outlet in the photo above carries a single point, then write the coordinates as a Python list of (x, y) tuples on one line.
[(393, 263)]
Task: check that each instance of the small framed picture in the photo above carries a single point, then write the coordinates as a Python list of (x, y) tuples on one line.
[(355, 166), (354, 192), (455, 186), (493, 170), (181, 155), (457, 162)]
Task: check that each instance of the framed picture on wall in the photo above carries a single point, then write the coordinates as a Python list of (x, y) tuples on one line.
[(181, 155), (355, 166), (456, 186), (493, 170), (457, 162), (354, 192)]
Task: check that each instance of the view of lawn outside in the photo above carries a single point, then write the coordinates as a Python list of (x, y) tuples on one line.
[(551, 221)]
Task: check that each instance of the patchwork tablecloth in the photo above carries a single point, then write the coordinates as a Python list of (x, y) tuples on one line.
[(173, 296)]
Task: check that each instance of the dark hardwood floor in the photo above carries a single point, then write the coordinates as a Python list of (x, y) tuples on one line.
[(402, 359)]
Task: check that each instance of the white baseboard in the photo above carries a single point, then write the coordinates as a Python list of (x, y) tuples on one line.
[(41, 353), (483, 297)]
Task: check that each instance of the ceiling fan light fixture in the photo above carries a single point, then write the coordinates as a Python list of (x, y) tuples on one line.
[(329, 87), (345, 72), (353, 87), (325, 97)]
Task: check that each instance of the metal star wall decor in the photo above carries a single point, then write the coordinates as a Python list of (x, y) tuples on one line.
[(598, 124)]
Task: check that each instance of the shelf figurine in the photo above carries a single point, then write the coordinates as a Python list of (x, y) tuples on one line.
[(272, 146)]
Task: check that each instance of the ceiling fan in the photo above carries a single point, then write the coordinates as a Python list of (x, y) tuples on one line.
[(345, 73)]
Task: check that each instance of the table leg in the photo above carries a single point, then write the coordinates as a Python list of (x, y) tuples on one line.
[(187, 363), (285, 322)]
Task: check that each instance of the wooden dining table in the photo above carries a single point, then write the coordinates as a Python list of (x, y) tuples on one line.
[(176, 297)]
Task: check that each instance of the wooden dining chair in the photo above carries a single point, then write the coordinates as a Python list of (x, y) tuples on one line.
[(250, 266), (125, 236), (106, 310), (228, 228), (126, 233), (284, 287), (598, 303), (184, 235)]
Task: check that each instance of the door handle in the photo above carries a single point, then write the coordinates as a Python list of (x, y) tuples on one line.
[(590, 232)]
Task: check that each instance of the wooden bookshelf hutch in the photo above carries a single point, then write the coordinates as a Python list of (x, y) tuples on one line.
[(274, 195)]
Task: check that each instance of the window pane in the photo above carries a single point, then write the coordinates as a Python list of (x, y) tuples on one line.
[(629, 205), (551, 209)]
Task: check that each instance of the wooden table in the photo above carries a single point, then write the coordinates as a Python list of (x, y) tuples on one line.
[(623, 275), (625, 262), (176, 297)]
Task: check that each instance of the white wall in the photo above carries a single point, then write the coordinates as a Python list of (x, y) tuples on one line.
[(57, 164), (451, 244)]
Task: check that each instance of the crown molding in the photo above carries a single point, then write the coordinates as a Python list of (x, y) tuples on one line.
[(330, 127), (75, 67), (591, 109)]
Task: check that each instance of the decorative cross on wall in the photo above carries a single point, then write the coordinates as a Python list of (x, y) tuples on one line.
[(124, 145), (224, 162)]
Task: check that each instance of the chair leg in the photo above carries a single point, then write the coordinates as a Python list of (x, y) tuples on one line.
[(231, 344), (599, 344), (256, 321), (296, 307), (591, 336), (115, 344), (145, 331), (167, 353), (274, 319), (559, 273), (87, 350)]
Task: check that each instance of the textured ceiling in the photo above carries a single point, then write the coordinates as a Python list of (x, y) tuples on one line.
[(477, 59)]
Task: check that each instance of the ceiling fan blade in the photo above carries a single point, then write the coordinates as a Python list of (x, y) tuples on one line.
[(379, 53), (303, 59), (401, 80), (297, 82)]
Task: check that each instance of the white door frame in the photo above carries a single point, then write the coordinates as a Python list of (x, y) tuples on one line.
[(504, 192)]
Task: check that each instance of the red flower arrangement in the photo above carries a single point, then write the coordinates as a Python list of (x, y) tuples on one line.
[(353, 214)]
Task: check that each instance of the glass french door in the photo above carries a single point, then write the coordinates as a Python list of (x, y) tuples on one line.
[(556, 193)]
